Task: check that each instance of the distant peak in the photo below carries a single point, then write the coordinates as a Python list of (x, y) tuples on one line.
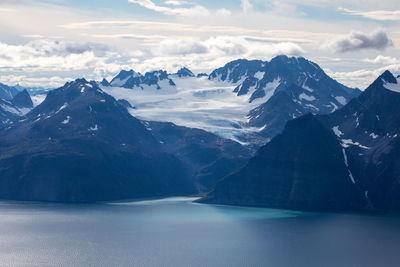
[(104, 82), (388, 77), (288, 59), (385, 80), (127, 72), (22, 100), (185, 72), (281, 57), (81, 80)]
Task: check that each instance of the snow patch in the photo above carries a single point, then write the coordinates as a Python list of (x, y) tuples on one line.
[(270, 89), (335, 107), (38, 99), (347, 165), (259, 75), (10, 109), (93, 129), (66, 121), (306, 97), (347, 142), (394, 87), (374, 136), (305, 87), (342, 100), (119, 82), (62, 107), (337, 132)]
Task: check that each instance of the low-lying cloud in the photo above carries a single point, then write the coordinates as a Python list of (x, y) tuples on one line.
[(382, 60), (195, 10), (383, 15), (59, 58)]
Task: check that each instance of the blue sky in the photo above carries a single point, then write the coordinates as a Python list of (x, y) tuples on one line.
[(49, 42)]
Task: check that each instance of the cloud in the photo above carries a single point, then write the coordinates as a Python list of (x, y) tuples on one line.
[(51, 82), (355, 41), (384, 15), (246, 5), (4, 9), (175, 3), (223, 12), (382, 60), (361, 78), (195, 10), (44, 47), (180, 47), (26, 63), (33, 36), (48, 58), (225, 46), (210, 53)]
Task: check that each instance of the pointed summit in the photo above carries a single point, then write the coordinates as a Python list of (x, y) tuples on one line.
[(385, 81), (22, 100), (185, 72), (123, 77), (388, 77), (104, 82)]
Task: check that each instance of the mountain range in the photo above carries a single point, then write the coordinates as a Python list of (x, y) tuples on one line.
[(344, 161), (277, 133), (89, 148), (268, 94)]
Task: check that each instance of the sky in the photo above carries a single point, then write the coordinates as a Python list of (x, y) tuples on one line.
[(49, 42)]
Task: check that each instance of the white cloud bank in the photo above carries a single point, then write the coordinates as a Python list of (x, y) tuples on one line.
[(383, 15), (196, 10), (58, 58), (382, 60)]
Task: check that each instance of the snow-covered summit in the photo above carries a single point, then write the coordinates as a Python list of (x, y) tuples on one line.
[(131, 79), (184, 72), (390, 82)]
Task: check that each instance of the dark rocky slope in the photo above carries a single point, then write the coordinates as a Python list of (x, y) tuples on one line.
[(81, 145)]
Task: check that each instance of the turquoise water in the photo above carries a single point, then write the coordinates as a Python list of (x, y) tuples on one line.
[(176, 232)]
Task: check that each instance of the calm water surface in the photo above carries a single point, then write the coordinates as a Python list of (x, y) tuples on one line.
[(176, 232)]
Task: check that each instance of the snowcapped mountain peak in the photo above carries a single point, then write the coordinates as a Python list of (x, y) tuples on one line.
[(254, 78), (390, 82), (236, 70), (131, 79), (104, 82), (385, 82), (123, 78), (387, 77), (184, 72)]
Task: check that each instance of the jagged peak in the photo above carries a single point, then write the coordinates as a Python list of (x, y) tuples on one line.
[(105, 82), (185, 72), (22, 100), (384, 78), (388, 77), (80, 84)]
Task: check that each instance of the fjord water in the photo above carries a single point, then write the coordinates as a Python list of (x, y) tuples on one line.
[(177, 232)]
